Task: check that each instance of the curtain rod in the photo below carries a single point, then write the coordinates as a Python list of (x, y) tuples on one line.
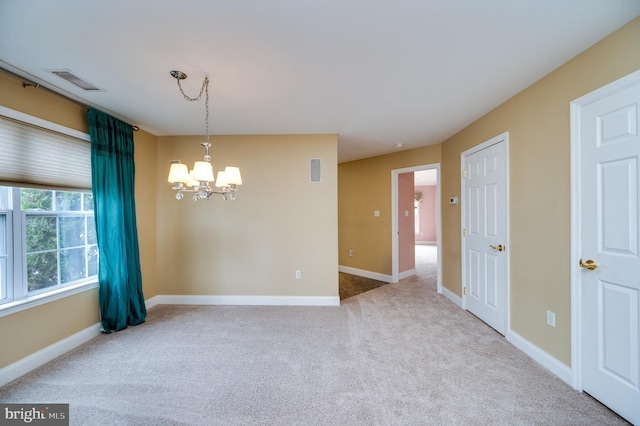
[(28, 83)]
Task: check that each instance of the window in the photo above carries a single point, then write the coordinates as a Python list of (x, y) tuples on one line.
[(53, 244), (60, 237), (47, 231)]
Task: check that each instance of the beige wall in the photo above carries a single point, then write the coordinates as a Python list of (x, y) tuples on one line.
[(365, 186), (279, 223), (146, 189), (29, 331)]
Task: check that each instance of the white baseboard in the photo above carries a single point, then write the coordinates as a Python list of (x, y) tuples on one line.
[(406, 274), (426, 243), (150, 303), (541, 357), (451, 296), (247, 300), (366, 274), (35, 360)]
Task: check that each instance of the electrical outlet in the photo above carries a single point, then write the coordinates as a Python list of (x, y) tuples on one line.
[(350, 253), (298, 275), (551, 318)]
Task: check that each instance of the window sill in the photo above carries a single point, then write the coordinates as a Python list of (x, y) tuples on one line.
[(16, 306)]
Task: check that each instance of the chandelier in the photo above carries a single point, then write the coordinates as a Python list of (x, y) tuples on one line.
[(198, 180)]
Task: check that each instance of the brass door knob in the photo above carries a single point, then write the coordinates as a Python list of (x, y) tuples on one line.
[(589, 264), (499, 247)]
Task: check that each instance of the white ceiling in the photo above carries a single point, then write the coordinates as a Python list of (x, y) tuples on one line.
[(376, 72)]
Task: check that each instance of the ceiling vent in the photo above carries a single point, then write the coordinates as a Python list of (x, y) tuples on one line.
[(74, 79)]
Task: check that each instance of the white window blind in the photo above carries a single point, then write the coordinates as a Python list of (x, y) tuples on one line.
[(37, 153)]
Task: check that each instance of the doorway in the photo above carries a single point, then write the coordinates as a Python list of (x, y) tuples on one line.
[(426, 175)]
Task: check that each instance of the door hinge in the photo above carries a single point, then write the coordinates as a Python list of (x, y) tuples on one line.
[(464, 232), (464, 173), (465, 291)]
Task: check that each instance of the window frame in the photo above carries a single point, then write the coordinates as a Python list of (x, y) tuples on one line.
[(6, 243)]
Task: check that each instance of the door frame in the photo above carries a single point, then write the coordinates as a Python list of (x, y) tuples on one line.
[(395, 274), (576, 219), (501, 138)]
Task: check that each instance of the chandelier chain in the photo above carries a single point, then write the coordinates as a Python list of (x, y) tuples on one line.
[(205, 89)]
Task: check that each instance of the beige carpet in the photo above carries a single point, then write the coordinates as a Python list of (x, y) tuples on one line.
[(397, 355)]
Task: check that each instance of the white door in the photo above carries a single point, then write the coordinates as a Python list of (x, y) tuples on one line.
[(485, 227), (609, 153)]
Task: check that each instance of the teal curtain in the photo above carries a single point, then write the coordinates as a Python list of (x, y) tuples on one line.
[(113, 170)]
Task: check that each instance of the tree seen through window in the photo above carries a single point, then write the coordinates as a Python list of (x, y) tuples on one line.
[(60, 237)]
